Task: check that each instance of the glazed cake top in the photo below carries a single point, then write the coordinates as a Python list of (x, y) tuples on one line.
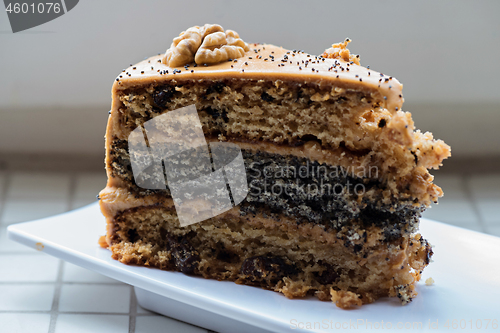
[(265, 61)]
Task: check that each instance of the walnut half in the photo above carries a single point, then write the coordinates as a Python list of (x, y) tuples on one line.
[(204, 45)]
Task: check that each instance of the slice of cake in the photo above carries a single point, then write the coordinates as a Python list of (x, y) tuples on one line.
[(336, 174)]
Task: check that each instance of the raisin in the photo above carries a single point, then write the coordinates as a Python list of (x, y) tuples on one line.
[(328, 276), (261, 268), (133, 236), (341, 100), (299, 95), (304, 139), (224, 116), (266, 97), (309, 137), (185, 257), (162, 95), (357, 248), (382, 123), (297, 143), (217, 87), (226, 255), (428, 253), (215, 113), (414, 156)]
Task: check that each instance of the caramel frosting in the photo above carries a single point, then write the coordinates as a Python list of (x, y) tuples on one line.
[(264, 61)]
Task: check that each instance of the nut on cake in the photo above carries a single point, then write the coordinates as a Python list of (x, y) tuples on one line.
[(344, 226)]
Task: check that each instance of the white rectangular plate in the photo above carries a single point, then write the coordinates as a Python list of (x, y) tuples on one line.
[(465, 296)]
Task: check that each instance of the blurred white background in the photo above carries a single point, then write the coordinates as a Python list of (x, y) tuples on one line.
[(56, 78)]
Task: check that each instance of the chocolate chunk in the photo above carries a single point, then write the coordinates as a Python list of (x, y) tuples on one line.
[(260, 268), (162, 95), (382, 123), (185, 257)]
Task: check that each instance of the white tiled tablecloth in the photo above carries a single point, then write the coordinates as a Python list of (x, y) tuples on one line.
[(42, 294)]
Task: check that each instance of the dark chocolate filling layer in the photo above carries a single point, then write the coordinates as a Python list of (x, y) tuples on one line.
[(305, 190)]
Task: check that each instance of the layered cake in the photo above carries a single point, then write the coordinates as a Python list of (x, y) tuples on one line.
[(336, 173)]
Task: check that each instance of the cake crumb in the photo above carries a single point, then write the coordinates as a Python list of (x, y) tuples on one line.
[(429, 282), (345, 299), (405, 293), (102, 242)]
